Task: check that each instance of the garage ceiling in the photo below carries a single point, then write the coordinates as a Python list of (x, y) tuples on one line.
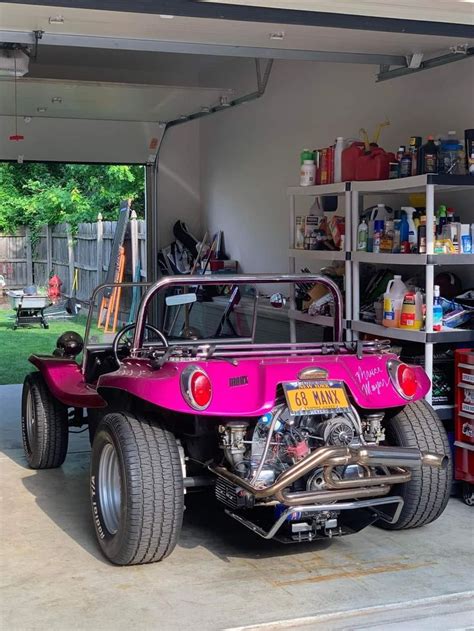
[(140, 65), (138, 28), (459, 11)]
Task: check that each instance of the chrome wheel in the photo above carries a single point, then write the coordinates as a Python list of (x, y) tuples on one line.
[(468, 494), (109, 487), (30, 419)]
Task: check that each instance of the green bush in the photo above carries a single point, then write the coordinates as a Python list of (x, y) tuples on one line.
[(35, 194)]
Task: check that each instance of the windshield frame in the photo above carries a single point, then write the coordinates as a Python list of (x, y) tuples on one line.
[(234, 279)]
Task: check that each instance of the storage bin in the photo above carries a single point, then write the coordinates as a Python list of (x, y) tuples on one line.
[(443, 375)]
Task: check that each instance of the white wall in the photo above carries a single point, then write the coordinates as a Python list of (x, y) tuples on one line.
[(251, 154), (179, 182)]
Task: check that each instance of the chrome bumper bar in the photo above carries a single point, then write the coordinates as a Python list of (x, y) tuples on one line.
[(374, 504)]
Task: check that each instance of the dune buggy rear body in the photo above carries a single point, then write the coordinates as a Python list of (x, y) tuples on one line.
[(299, 440)]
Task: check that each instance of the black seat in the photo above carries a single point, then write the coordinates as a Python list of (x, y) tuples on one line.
[(99, 362)]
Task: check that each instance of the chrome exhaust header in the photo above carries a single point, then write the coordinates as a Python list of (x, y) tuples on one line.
[(330, 457)]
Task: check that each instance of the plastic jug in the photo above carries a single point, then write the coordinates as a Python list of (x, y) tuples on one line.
[(411, 316), (392, 302)]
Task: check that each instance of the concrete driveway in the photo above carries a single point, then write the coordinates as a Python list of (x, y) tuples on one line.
[(220, 576)]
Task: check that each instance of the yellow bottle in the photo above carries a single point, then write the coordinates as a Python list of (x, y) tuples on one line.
[(411, 317)]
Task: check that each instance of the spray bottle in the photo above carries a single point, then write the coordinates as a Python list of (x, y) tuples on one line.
[(362, 236), (412, 232)]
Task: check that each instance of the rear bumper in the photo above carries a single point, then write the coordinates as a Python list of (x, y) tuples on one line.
[(385, 508)]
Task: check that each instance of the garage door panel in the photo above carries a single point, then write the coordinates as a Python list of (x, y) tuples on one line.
[(66, 140)]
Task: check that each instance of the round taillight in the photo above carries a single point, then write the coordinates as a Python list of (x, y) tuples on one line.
[(406, 378), (196, 387)]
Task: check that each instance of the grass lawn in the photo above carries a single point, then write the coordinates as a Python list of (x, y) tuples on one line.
[(17, 346)]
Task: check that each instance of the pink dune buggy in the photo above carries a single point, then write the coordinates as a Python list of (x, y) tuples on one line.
[(299, 440)]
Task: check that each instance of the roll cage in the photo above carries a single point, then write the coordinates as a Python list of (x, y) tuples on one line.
[(208, 347)]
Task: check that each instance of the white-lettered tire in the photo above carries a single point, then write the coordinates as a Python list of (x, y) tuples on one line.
[(137, 492), (425, 496), (44, 425)]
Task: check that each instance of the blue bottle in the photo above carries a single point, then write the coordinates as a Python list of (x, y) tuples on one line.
[(404, 227), (437, 310)]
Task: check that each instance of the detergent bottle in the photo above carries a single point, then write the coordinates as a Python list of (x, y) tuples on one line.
[(392, 302), (411, 317)]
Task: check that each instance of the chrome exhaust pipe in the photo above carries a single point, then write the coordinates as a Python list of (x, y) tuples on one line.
[(398, 457), (399, 477), (430, 459), (312, 497)]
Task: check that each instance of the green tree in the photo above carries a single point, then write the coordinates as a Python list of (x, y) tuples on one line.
[(35, 194)]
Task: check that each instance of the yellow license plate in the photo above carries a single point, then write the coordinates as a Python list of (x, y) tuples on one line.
[(315, 397)]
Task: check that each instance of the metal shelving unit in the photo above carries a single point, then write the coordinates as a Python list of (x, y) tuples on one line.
[(419, 183), (294, 314), (353, 193), (423, 337), (342, 189), (413, 259), (317, 255)]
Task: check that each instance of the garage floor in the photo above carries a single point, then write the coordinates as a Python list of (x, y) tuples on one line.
[(221, 576)]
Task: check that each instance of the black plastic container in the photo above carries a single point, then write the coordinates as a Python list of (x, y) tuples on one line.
[(443, 373)]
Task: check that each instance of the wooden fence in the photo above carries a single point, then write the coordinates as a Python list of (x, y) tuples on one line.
[(57, 250)]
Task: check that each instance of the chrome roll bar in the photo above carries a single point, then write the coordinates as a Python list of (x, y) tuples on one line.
[(236, 279)]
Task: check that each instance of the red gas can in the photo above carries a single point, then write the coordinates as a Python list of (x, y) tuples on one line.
[(374, 166), (349, 159)]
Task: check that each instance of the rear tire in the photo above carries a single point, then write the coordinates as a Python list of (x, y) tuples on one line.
[(137, 491), (426, 495), (44, 425)]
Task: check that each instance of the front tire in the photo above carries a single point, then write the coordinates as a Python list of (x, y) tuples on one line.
[(137, 491), (425, 496), (44, 425)]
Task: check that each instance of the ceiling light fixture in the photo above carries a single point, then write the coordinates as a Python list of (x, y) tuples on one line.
[(278, 35), (56, 99), (166, 17), (56, 19)]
